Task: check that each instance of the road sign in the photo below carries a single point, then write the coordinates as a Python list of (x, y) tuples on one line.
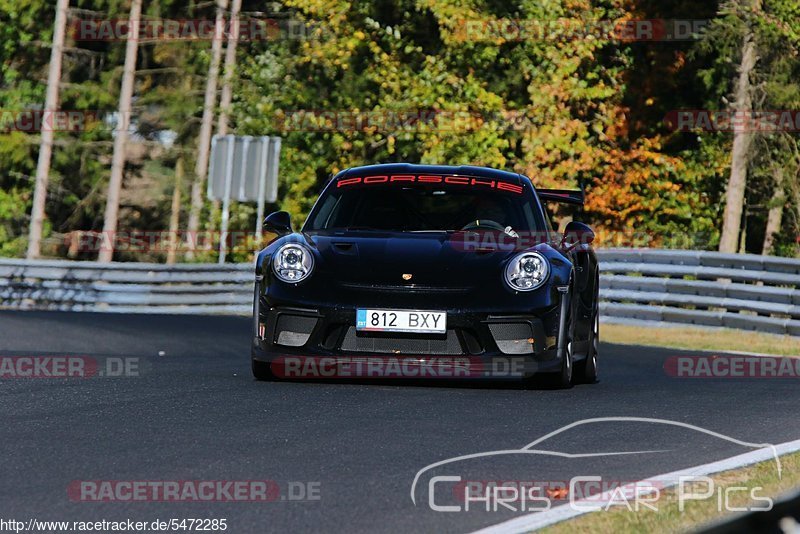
[(244, 169), (248, 162)]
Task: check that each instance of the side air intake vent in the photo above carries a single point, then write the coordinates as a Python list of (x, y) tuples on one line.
[(513, 338), (294, 330)]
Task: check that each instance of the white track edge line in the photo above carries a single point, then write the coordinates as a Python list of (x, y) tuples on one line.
[(563, 512)]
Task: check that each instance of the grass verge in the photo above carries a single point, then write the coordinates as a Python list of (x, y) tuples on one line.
[(702, 339), (669, 518)]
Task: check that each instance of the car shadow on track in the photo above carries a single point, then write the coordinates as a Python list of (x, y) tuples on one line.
[(536, 383)]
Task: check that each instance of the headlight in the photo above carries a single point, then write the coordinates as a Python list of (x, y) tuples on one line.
[(527, 271), (292, 263)]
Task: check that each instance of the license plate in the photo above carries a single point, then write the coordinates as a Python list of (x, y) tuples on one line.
[(412, 321)]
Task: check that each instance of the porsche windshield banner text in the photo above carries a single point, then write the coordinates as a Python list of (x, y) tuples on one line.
[(430, 179)]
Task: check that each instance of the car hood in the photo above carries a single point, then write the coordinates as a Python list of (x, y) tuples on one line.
[(383, 258)]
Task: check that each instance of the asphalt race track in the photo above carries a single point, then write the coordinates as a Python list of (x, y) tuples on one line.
[(195, 413)]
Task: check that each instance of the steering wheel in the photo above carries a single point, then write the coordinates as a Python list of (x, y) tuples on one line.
[(483, 223)]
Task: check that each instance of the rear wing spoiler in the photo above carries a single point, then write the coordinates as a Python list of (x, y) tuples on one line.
[(564, 196)]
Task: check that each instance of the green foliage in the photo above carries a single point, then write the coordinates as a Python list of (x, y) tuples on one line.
[(564, 111), (775, 163), (567, 98), (168, 96)]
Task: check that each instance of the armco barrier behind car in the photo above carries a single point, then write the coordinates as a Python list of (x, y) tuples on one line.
[(704, 288), (126, 287)]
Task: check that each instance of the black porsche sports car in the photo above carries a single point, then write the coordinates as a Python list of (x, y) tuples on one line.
[(425, 262)]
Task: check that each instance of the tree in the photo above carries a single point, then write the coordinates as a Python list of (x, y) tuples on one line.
[(562, 109), (551, 107), (761, 173), (225, 104), (209, 108), (740, 156), (121, 138), (46, 145)]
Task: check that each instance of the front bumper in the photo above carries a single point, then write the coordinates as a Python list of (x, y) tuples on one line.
[(491, 344)]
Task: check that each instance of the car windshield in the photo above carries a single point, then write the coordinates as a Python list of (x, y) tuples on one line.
[(423, 208)]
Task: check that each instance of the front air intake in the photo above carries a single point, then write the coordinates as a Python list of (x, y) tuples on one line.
[(294, 330), (513, 338), (401, 345)]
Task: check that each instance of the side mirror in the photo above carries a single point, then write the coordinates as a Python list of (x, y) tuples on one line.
[(577, 233), (279, 223)]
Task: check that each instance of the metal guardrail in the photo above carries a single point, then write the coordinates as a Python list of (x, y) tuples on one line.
[(126, 287), (689, 287), (703, 288)]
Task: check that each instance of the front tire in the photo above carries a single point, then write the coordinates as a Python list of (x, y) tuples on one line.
[(262, 370), (587, 369), (563, 378)]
